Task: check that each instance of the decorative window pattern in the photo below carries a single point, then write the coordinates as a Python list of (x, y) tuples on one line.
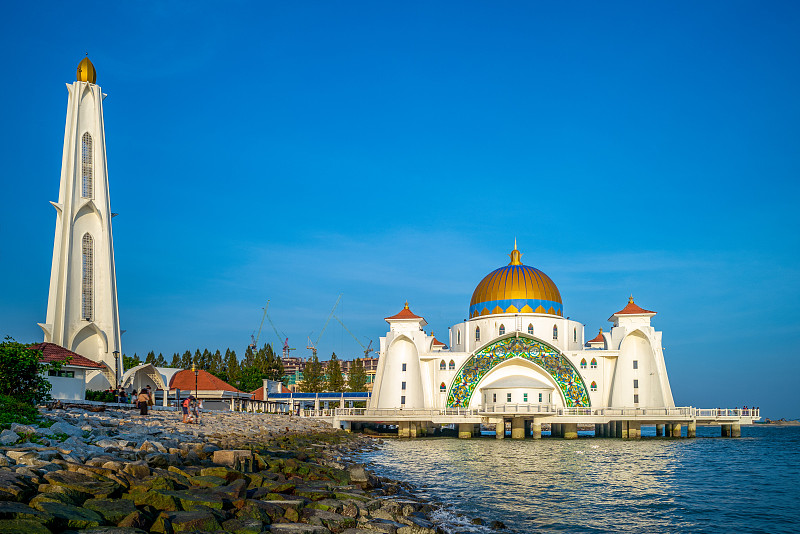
[(501, 330), (452, 365), (87, 278), (442, 365), (477, 333), (530, 329), (555, 332), (524, 397), (594, 386), (545, 356), (87, 184), (594, 363), (583, 363), (442, 387)]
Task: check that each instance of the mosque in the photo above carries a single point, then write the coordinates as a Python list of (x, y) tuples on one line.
[(517, 349)]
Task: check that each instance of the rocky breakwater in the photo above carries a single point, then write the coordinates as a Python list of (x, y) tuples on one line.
[(114, 472)]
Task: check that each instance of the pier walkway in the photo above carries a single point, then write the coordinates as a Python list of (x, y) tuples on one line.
[(526, 419)]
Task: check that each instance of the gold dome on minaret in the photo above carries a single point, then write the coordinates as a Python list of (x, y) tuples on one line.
[(86, 72)]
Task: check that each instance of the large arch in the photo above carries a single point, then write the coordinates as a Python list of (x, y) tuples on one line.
[(518, 345)]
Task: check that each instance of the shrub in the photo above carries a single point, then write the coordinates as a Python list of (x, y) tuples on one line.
[(15, 411), (100, 396), (22, 373)]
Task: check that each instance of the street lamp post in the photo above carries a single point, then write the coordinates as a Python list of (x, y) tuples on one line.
[(196, 372), (117, 374)]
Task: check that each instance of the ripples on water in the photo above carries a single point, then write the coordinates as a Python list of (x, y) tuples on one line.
[(709, 484)]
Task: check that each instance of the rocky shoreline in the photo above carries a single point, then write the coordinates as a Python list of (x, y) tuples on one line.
[(114, 472)]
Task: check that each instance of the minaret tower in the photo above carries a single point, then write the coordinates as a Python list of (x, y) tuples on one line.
[(82, 310)]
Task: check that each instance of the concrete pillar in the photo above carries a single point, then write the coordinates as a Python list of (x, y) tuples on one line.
[(736, 430), (726, 431), (517, 428), (659, 430), (403, 430), (691, 429), (676, 430), (597, 431), (668, 430), (634, 430), (500, 428), (347, 426), (612, 429), (557, 430), (570, 430), (536, 430), (412, 429), (465, 430), (624, 429), (476, 430)]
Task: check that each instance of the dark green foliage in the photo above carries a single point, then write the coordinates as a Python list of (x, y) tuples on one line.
[(186, 360), (313, 378), (160, 361), (176, 361), (357, 378), (250, 379), (335, 379), (14, 411), (232, 368), (101, 396), (21, 372), (129, 362)]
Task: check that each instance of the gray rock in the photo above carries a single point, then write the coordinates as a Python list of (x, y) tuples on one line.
[(23, 429), (297, 528), (7, 437), (62, 427)]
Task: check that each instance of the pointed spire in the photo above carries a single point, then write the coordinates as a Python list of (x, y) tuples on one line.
[(516, 255), (630, 299)]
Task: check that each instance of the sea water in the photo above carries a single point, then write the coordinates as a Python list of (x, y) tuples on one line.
[(706, 484)]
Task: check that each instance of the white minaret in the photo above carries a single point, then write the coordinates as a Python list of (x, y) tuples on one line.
[(82, 310)]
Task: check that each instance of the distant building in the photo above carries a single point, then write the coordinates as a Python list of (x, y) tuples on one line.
[(69, 383), (215, 393)]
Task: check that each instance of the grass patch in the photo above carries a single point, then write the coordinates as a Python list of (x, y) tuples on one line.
[(14, 411)]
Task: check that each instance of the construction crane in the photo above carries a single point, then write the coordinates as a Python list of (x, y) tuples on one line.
[(312, 345), (366, 349), (254, 340)]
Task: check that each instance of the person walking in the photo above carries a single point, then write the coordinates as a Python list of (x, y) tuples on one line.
[(185, 407), (144, 400)]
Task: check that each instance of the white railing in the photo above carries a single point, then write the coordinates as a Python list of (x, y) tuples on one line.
[(684, 412)]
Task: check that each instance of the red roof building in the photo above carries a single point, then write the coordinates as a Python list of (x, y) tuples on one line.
[(56, 353), (405, 314), (633, 309), (185, 381)]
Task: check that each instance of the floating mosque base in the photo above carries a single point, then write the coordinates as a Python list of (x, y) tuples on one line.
[(623, 423)]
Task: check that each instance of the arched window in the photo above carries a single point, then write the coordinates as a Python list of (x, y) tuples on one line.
[(452, 365), (458, 337), (575, 334), (87, 278), (530, 329), (594, 386), (594, 363), (555, 332), (87, 189), (501, 330), (442, 387), (442, 365), (583, 363), (477, 333)]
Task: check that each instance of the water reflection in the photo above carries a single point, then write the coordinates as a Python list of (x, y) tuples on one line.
[(605, 485)]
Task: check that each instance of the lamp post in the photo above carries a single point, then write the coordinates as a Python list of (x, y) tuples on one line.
[(196, 372)]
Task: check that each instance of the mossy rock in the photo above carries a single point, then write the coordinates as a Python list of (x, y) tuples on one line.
[(69, 516), (97, 487), (52, 497), (159, 499), (243, 526), (207, 481), (195, 521), (153, 483), (22, 526), (17, 510), (136, 520), (113, 530), (222, 472), (191, 500), (262, 511), (285, 487), (112, 510), (292, 515), (312, 494), (14, 487)]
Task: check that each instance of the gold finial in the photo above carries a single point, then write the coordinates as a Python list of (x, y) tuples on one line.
[(86, 71), (406, 306), (601, 330), (630, 299), (516, 255)]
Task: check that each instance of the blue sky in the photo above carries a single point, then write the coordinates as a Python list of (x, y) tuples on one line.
[(392, 151)]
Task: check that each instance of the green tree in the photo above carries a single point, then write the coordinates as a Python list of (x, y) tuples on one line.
[(275, 368), (313, 377), (151, 357), (249, 358), (215, 366), (357, 378), (176, 360), (22, 373), (129, 362), (160, 361), (232, 368), (186, 360), (250, 379), (335, 379)]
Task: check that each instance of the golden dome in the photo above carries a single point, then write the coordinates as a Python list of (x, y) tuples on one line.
[(86, 72), (516, 288)]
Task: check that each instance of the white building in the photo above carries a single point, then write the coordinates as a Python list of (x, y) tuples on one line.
[(82, 310), (517, 349), (69, 382)]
